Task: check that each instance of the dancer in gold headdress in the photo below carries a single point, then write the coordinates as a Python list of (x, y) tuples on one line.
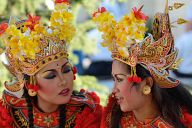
[(41, 95), (144, 96)]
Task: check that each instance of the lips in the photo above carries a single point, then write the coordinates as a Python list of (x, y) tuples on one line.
[(119, 99), (64, 92)]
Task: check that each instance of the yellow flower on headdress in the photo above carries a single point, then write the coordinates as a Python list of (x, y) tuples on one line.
[(29, 47), (106, 24), (12, 30), (130, 29), (61, 24), (66, 16), (13, 45), (39, 29), (123, 51)]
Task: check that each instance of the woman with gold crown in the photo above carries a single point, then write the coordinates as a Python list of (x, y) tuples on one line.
[(144, 96), (42, 96)]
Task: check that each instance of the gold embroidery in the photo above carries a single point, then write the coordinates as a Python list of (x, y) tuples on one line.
[(19, 119), (13, 101), (161, 125), (48, 120)]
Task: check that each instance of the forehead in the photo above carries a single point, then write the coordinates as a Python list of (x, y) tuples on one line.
[(54, 64), (119, 67)]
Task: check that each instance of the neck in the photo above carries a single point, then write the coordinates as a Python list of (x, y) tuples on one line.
[(148, 111), (46, 106)]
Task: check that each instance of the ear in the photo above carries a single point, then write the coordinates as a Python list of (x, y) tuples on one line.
[(149, 81)]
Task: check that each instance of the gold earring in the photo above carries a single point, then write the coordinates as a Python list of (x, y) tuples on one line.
[(146, 90), (31, 92)]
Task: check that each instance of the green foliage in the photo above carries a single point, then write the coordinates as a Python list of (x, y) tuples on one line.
[(90, 83), (4, 76)]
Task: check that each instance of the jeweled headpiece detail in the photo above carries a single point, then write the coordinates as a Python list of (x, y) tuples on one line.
[(127, 43), (30, 45)]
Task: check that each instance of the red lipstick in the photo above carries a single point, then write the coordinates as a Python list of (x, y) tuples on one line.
[(64, 92)]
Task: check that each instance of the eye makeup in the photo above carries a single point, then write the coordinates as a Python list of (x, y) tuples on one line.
[(66, 68), (118, 77), (52, 73)]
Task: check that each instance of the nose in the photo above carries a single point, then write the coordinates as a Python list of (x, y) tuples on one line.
[(62, 80), (114, 86), (114, 90)]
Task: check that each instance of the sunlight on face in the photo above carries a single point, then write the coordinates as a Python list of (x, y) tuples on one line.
[(128, 96), (55, 82)]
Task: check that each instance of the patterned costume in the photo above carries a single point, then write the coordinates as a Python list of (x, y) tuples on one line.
[(129, 43), (30, 46), (83, 111), (128, 119)]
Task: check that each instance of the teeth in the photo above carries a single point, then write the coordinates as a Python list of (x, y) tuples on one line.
[(118, 98)]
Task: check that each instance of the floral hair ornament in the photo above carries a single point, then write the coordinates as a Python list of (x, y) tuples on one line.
[(126, 40), (74, 69), (31, 45), (32, 87)]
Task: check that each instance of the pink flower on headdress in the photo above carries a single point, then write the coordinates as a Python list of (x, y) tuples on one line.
[(3, 28), (62, 1), (32, 21), (139, 14), (100, 10)]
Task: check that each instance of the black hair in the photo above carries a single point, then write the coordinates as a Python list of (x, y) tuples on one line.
[(170, 101)]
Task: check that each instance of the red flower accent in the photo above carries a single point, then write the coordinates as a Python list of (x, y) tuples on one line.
[(33, 87), (134, 79), (100, 10), (74, 70), (62, 1), (130, 79), (3, 28), (32, 21), (139, 14)]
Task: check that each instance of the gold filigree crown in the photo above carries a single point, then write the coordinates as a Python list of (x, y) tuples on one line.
[(30, 45), (127, 42)]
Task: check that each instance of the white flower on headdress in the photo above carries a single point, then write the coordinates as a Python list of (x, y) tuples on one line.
[(49, 31), (27, 33)]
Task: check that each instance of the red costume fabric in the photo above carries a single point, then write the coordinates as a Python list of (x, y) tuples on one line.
[(81, 112), (128, 119)]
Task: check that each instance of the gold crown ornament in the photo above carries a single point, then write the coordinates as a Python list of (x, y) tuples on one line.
[(30, 45), (126, 40)]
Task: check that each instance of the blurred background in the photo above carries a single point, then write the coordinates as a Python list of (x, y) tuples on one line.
[(93, 61)]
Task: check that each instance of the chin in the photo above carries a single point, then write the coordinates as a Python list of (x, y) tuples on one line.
[(63, 100), (125, 108)]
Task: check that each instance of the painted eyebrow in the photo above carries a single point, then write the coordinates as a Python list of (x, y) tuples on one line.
[(119, 74), (54, 69)]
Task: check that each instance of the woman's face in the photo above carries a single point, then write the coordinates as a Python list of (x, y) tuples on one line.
[(55, 82), (129, 96)]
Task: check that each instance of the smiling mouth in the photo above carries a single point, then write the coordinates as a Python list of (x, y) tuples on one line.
[(119, 99), (64, 92)]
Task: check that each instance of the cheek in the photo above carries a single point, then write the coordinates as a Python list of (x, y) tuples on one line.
[(125, 89), (133, 98), (47, 86)]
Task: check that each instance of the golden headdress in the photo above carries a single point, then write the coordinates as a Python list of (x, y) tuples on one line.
[(30, 45), (127, 42)]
